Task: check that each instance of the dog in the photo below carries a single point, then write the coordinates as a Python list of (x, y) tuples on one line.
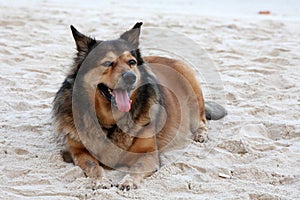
[(141, 105)]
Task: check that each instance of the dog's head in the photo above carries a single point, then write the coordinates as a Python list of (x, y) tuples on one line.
[(117, 62)]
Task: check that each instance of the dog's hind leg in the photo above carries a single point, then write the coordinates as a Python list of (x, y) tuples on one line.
[(213, 111), (90, 165), (198, 123), (201, 132)]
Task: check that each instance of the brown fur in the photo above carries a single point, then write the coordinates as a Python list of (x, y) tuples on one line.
[(178, 93)]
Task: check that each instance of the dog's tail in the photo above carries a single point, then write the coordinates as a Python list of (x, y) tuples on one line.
[(214, 111)]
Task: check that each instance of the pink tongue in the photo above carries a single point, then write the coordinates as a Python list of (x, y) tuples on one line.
[(122, 100)]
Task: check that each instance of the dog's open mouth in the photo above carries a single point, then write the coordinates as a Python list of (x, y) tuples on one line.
[(118, 97)]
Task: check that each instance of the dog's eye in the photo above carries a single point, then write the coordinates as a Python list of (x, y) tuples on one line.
[(108, 64), (131, 62)]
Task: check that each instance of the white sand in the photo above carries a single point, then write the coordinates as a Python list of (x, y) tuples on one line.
[(254, 153)]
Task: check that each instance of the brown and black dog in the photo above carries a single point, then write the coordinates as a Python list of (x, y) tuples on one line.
[(141, 104)]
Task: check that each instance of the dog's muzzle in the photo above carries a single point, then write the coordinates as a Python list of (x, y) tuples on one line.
[(120, 96)]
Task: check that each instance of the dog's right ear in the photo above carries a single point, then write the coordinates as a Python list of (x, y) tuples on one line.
[(83, 43)]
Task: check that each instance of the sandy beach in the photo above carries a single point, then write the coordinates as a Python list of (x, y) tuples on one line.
[(253, 153)]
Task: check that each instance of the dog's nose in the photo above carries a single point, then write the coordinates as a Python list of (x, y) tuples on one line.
[(129, 77)]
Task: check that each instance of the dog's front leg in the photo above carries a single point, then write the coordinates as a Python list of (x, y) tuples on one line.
[(145, 166), (90, 165), (141, 158)]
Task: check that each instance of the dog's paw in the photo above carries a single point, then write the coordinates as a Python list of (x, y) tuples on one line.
[(127, 183), (103, 183), (201, 134), (200, 138), (93, 170)]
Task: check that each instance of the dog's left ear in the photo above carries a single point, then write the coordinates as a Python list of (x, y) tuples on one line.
[(133, 35)]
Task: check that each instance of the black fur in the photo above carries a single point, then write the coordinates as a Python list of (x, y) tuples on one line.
[(137, 54), (149, 89), (81, 54), (137, 25), (62, 103)]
